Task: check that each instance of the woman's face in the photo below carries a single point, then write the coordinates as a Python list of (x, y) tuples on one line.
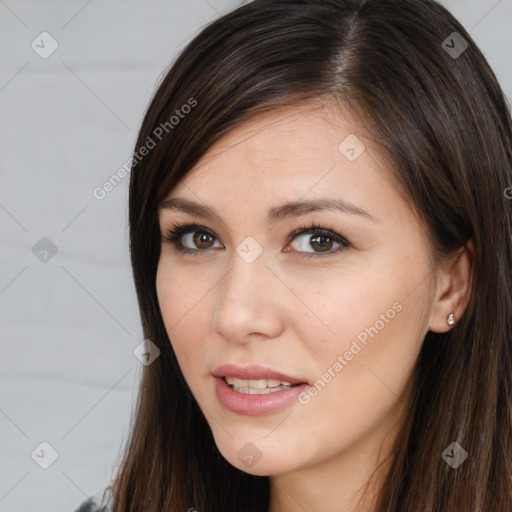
[(343, 308)]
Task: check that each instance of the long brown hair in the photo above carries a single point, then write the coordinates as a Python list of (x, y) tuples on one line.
[(436, 108)]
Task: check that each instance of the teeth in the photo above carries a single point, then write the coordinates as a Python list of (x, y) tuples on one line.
[(257, 386), (264, 391)]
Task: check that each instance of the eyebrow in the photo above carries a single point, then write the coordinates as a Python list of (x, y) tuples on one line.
[(275, 214)]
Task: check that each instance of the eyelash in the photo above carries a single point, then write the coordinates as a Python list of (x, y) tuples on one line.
[(176, 231)]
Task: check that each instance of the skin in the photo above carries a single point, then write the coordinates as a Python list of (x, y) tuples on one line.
[(298, 314)]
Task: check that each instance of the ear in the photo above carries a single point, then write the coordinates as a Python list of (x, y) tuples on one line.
[(453, 289)]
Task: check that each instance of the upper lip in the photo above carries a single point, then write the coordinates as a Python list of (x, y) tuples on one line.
[(254, 372)]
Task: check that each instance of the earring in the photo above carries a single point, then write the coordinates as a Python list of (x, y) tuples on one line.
[(450, 319)]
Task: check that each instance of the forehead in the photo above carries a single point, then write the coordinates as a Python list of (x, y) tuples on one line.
[(309, 151), (285, 134)]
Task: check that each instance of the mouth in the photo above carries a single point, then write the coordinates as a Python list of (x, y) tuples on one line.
[(255, 390), (258, 386), (256, 397), (254, 377)]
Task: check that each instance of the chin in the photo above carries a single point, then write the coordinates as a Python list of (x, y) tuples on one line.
[(259, 462), (261, 468)]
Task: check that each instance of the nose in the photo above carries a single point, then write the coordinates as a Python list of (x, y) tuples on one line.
[(249, 302)]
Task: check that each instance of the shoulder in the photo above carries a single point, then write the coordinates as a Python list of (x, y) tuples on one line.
[(101, 502)]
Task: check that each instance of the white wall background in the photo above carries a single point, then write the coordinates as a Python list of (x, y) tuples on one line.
[(69, 325)]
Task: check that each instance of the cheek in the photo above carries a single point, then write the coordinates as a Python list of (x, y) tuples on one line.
[(365, 368), (342, 309), (166, 293), (372, 326), (178, 295), (184, 319)]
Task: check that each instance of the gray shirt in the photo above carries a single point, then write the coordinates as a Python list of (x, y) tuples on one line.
[(101, 502)]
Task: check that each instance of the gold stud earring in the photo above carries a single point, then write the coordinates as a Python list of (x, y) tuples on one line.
[(450, 319)]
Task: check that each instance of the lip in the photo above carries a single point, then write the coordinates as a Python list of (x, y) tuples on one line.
[(254, 371), (255, 405)]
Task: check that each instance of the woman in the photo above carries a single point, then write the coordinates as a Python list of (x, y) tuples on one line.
[(321, 245)]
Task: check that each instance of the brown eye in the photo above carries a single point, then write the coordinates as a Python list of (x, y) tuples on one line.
[(202, 240), (321, 242), (191, 238), (317, 241)]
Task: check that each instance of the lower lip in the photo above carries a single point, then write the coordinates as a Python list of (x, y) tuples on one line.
[(255, 405)]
